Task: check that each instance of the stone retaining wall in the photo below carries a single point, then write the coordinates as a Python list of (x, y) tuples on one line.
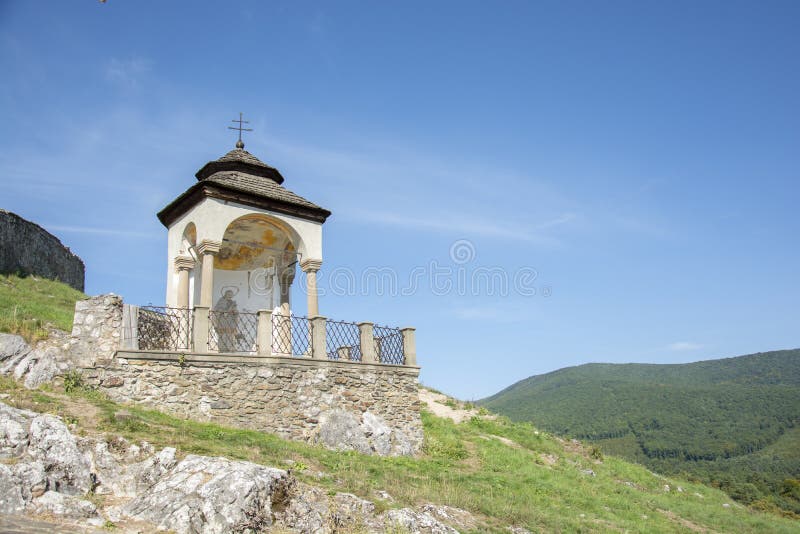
[(372, 408), (27, 248)]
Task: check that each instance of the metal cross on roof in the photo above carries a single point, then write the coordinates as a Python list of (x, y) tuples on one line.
[(240, 143)]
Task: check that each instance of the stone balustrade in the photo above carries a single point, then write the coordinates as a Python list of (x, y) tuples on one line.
[(204, 331)]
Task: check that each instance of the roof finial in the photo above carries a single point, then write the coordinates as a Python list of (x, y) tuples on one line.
[(240, 143)]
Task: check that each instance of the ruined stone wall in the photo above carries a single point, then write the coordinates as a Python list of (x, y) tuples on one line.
[(372, 408), (27, 248)]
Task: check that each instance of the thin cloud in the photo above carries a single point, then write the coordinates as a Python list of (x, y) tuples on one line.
[(490, 314), (127, 72), (469, 225), (101, 231), (683, 346)]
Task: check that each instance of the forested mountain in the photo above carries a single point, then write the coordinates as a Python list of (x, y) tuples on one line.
[(732, 422)]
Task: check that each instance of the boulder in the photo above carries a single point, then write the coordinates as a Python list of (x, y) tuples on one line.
[(415, 522), (44, 366), (14, 426), (314, 510), (455, 517), (12, 349), (308, 511), (212, 495), (367, 433), (55, 447), (58, 504), (341, 430), (11, 501), (31, 478)]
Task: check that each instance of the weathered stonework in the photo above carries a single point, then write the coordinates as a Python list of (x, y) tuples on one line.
[(27, 248), (295, 398), (96, 330), (372, 408)]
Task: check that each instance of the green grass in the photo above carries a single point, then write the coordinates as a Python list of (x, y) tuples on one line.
[(507, 473), (731, 422), (29, 305)]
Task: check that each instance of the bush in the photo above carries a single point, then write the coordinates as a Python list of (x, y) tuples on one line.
[(73, 382)]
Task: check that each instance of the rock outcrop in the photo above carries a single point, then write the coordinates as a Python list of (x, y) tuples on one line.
[(369, 433), (53, 473), (35, 366)]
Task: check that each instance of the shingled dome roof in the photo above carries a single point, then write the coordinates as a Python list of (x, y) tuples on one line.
[(241, 160), (239, 176)]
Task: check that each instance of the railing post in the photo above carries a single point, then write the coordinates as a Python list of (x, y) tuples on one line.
[(367, 343), (343, 354), (200, 329), (318, 340), (409, 346), (185, 328), (264, 333)]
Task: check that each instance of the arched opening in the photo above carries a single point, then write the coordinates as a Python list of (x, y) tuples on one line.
[(255, 264), (188, 244), (189, 239)]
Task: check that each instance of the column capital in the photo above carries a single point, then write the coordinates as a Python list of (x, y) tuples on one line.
[(310, 265), (184, 263), (209, 246)]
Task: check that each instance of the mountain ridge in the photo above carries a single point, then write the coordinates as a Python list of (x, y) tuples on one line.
[(709, 419)]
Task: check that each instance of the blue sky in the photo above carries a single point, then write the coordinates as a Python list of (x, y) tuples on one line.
[(642, 158)]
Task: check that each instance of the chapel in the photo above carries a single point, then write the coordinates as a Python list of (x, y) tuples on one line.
[(236, 237)]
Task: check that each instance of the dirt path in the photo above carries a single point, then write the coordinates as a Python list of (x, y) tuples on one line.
[(437, 403)]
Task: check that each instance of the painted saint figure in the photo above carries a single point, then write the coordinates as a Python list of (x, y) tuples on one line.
[(225, 321)]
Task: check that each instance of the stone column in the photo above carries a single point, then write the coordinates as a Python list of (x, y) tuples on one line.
[(409, 346), (265, 332), (284, 332), (200, 329), (318, 335), (367, 342), (183, 264), (207, 250), (310, 267)]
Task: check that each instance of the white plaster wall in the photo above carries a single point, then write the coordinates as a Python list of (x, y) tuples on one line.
[(175, 248), (248, 298)]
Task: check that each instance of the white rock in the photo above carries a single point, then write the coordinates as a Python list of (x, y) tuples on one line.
[(11, 501), (416, 522), (211, 495), (455, 517), (377, 432), (14, 424), (31, 478), (44, 367), (341, 430), (12, 349), (62, 505), (55, 447)]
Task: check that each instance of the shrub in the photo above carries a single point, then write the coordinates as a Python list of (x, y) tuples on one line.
[(73, 382)]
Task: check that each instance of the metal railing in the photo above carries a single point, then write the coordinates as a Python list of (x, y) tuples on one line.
[(174, 329), (232, 331), (162, 328), (342, 341), (388, 344), (291, 335)]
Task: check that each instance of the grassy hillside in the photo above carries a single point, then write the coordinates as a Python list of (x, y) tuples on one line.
[(730, 422), (28, 305), (506, 473)]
